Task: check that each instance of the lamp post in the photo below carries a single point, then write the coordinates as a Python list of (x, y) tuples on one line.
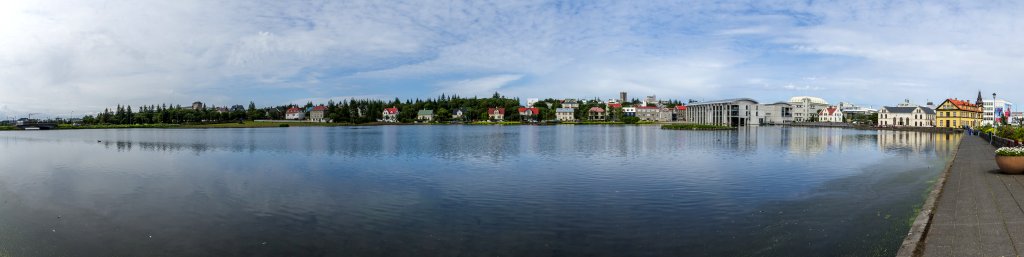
[(994, 123)]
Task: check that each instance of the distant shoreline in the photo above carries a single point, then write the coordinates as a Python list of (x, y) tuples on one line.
[(250, 124)]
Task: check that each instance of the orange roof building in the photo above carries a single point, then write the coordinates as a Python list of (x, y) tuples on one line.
[(956, 113)]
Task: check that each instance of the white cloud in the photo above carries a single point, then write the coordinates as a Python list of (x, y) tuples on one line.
[(86, 55)]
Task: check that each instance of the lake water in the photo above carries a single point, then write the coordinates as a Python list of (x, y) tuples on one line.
[(463, 191)]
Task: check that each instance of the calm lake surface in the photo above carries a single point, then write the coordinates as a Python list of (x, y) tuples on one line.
[(464, 191)]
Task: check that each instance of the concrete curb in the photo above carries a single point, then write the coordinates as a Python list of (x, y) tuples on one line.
[(913, 244)]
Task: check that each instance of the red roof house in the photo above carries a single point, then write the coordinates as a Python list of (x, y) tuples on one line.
[(497, 114), (528, 111)]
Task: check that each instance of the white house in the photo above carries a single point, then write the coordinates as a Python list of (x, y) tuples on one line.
[(294, 113), (390, 114), (496, 114), (916, 116), (830, 114), (565, 114)]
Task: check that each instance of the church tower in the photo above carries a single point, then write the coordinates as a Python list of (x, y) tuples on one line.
[(980, 102)]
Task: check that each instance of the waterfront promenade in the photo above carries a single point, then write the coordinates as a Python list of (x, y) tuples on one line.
[(979, 212)]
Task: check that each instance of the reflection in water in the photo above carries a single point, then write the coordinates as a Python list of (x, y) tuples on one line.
[(463, 190), (917, 142)]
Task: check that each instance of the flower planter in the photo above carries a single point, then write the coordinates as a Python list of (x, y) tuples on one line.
[(1010, 164)]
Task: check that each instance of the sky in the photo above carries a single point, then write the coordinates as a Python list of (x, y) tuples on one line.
[(80, 56)]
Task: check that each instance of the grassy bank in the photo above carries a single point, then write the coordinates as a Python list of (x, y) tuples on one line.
[(8, 128), (695, 127)]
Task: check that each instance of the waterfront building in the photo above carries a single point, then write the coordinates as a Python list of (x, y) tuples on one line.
[(629, 111), (570, 103), (995, 111), (647, 113), (805, 108), (622, 97), (198, 106), (221, 109), (728, 112), (614, 111), (390, 114), (458, 114), (596, 113), (956, 113), (294, 113), (318, 114), (529, 114), (425, 115), (666, 114), (830, 114), (899, 116), (677, 113), (496, 114), (777, 113), (565, 114)]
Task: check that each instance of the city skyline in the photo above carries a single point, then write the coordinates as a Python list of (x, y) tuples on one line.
[(84, 56)]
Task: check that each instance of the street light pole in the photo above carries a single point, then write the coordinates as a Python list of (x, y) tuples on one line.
[(994, 123)]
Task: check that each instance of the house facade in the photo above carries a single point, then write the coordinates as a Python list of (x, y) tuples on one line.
[(830, 114), (678, 113), (629, 111), (729, 112), (648, 113), (565, 114), (529, 114), (805, 108), (496, 114), (956, 113), (596, 113), (318, 114), (916, 116), (666, 114), (294, 113), (570, 103), (425, 115), (458, 114), (390, 115)]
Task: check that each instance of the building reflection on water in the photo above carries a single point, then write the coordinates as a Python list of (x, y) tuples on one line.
[(793, 140), (917, 142)]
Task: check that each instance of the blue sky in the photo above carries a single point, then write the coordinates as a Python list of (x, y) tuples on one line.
[(82, 56)]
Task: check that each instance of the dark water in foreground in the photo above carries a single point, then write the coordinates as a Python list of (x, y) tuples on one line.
[(463, 191)]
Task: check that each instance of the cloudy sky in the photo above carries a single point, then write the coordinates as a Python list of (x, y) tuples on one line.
[(62, 56)]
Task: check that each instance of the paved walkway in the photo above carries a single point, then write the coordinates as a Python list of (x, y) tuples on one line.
[(980, 211)]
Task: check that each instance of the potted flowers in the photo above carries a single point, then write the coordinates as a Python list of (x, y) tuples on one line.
[(1010, 159)]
